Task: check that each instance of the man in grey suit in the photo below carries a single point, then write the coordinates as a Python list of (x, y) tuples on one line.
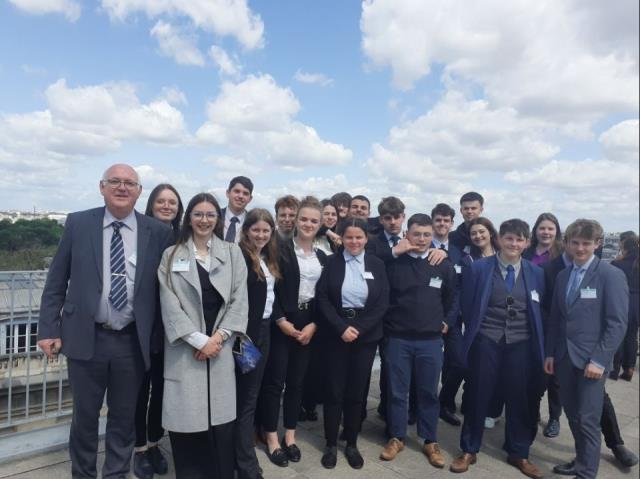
[(587, 323), (98, 308)]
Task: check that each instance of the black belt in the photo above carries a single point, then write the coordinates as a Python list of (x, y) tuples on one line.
[(351, 313)]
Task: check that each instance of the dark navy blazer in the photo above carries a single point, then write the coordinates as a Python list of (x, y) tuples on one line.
[(477, 283)]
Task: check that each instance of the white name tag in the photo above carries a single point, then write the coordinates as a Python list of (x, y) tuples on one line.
[(367, 275), (435, 283), (180, 266), (588, 293), (535, 296), (133, 258), (458, 269)]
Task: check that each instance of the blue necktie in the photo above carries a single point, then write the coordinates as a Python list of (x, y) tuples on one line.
[(118, 293), (510, 280), (572, 291), (231, 231), (395, 239)]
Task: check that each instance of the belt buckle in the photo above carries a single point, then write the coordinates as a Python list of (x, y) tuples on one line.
[(303, 306), (106, 326), (350, 313)]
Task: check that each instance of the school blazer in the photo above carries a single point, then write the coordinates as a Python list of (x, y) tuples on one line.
[(589, 328), (477, 283), (378, 245), (329, 299)]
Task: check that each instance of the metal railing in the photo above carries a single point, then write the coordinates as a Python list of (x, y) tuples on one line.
[(32, 388)]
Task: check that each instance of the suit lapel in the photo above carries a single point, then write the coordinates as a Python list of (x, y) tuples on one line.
[(488, 285), (96, 240), (184, 253), (144, 233)]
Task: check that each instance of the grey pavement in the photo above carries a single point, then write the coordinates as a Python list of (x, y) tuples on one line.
[(410, 463)]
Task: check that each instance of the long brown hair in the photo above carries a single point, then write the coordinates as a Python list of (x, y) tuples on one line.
[(557, 246), (269, 252), (493, 235)]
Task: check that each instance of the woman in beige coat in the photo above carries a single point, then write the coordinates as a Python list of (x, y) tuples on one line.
[(204, 303)]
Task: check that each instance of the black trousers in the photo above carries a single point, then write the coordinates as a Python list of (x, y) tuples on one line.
[(453, 369), (286, 366), (117, 368), (626, 355), (348, 366), (149, 405), (205, 454), (247, 391), (313, 390)]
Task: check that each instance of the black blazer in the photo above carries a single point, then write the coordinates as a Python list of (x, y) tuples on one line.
[(286, 303), (378, 245), (329, 299), (257, 298)]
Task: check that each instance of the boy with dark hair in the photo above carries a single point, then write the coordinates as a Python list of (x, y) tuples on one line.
[(587, 323), (239, 195), (471, 207), (503, 346), (342, 201), (360, 207), (420, 299), (286, 208)]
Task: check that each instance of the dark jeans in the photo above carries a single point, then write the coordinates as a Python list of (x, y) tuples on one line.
[(149, 405), (424, 358), (508, 367), (247, 390), (286, 366), (204, 455), (117, 368), (347, 367)]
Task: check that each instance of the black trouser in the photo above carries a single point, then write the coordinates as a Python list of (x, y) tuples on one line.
[(627, 353), (205, 454), (348, 366), (247, 391), (286, 366), (117, 368), (149, 405), (313, 390), (453, 369)]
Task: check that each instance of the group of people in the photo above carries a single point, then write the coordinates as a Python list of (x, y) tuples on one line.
[(151, 310)]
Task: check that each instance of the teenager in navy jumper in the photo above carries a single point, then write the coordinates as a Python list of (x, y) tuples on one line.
[(420, 298)]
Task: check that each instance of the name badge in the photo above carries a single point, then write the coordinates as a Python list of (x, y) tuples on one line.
[(133, 258), (180, 266), (435, 283), (588, 293), (535, 296), (367, 275), (458, 269)]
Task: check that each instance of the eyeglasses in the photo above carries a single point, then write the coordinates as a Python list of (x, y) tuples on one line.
[(116, 183), (200, 215), (510, 310)]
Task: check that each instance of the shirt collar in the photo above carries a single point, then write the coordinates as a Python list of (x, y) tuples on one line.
[(585, 266), (228, 214), (413, 254), (437, 243), (503, 265), (349, 257), (129, 220)]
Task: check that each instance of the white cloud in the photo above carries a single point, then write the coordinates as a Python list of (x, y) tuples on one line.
[(622, 141), (221, 17), (173, 95), (544, 59), (226, 65), (256, 117), (68, 8), (174, 44), (313, 78)]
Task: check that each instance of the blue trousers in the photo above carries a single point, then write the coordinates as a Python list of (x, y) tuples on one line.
[(507, 367), (402, 357)]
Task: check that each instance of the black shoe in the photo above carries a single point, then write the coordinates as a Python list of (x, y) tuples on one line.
[(354, 458), (158, 461), (624, 456), (292, 451), (278, 457), (613, 375), (412, 419), (568, 469), (142, 467), (448, 417), (330, 457), (552, 429)]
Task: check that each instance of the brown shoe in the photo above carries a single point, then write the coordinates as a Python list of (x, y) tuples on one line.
[(391, 450), (462, 463), (525, 467), (432, 451)]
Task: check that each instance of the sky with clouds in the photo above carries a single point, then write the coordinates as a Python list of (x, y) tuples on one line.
[(533, 104)]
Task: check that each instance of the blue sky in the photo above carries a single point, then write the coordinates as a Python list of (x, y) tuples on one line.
[(534, 104)]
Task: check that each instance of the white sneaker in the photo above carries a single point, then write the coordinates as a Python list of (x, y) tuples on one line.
[(489, 423)]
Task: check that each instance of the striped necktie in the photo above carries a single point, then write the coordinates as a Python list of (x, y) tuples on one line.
[(118, 293)]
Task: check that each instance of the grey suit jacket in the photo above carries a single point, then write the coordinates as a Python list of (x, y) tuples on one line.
[(589, 329), (184, 406), (74, 283)]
